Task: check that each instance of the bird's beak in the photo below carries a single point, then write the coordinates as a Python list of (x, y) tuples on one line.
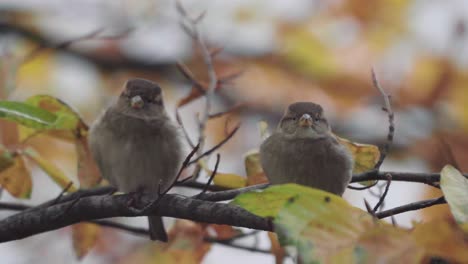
[(305, 120), (136, 102)]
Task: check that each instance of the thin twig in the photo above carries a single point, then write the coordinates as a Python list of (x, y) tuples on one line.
[(213, 174), (215, 147), (391, 124), (369, 208), (382, 198), (184, 165), (69, 185), (410, 207), (363, 187), (187, 73), (186, 135), (195, 33)]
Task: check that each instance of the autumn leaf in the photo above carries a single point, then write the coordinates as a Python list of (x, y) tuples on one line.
[(449, 242), (88, 172), (16, 179), (53, 171), (186, 245), (226, 180), (365, 156), (6, 158), (268, 202), (84, 236), (308, 54), (324, 228), (253, 168), (455, 188), (223, 232), (276, 248), (229, 180)]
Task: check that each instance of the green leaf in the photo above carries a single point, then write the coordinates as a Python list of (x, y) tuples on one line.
[(455, 188), (268, 202), (324, 228), (68, 122), (26, 115)]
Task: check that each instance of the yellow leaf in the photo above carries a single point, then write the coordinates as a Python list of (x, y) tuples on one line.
[(308, 54), (17, 179), (229, 180), (84, 237), (226, 180), (365, 156), (55, 173), (88, 172), (253, 168)]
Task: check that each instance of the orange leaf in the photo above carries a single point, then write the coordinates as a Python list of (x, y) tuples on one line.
[(17, 180), (186, 245), (276, 248), (450, 242), (224, 231), (84, 237), (88, 172)]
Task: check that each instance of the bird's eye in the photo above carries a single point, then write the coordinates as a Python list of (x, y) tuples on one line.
[(316, 119), (294, 118)]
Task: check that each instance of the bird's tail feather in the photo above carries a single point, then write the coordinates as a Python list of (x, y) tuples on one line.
[(156, 228)]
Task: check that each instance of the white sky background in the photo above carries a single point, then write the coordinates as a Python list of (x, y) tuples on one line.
[(430, 22)]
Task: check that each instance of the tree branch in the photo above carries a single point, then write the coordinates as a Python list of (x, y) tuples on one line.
[(410, 207), (43, 219)]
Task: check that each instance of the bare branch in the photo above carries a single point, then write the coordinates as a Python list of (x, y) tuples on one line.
[(213, 174), (217, 146), (382, 198), (391, 124), (186, 135), (410, 207)]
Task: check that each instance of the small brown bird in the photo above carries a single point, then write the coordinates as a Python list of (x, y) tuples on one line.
[(136, 145), (304, 151)]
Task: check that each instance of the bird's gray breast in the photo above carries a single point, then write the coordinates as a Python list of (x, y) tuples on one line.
[(323, 163), (140, 154)]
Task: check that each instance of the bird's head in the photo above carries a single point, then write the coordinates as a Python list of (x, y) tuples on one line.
[(142, 99), (304, 120)]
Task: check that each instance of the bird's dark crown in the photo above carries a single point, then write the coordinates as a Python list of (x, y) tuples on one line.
[(144, 88), (305, 108)]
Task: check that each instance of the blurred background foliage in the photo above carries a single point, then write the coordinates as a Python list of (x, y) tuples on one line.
[(287, 51)]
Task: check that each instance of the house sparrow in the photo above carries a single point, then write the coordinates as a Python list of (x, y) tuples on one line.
[(304, 151), (136, 145)]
